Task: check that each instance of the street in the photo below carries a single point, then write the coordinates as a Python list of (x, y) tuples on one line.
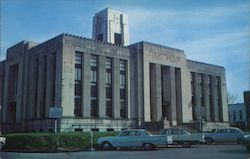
[(196, 152)]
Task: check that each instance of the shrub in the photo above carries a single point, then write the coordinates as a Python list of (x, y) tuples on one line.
[(50, 142)]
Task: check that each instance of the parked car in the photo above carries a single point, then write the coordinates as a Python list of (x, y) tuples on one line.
[(183, 137), (245, 141), (132, 138), (224, 135), (2, 142)]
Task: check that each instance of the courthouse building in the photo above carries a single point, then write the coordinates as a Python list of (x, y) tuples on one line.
[(103, 84)]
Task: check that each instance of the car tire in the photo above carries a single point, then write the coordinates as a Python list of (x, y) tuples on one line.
[(209, 140), (106, 146), (148, 146), (186, 144), (1, 146)]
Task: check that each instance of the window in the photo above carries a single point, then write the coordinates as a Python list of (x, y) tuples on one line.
[(100, 37), (123, 109), (108, 78), (78, 58), (93, 75), (77, 110), (234, 115), (240, 114), (108, 108), (200, 78), (93, 108), (122, 80), (108, 63), (78, 84), (93, 61), (122, 65), (78, 73), (118, 39)]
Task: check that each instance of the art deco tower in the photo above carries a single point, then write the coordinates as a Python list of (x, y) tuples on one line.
[(111, 26)]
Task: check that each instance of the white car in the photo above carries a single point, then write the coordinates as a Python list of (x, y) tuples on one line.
[(2, 142)]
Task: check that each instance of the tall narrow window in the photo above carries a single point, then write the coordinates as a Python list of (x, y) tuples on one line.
[(36, 87), (118, 38), (43, 103), (53, 102), (193, 95), (93, 86), (210, 82), (240, 115), (78, 84), (109, 87), (219, 101), (123, 103)]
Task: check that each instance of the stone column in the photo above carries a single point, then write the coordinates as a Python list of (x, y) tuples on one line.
[(178, 95), (206, 97), (86, 85), (5, 95), (39, 88), (116, 88), (155, 92), (173, 96), (101, 90), (224, 97), (215, 99), (48, 85)]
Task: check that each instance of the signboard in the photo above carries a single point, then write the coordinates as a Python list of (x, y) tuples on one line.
[(55, 112)]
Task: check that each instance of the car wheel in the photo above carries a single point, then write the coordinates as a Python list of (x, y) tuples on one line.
[(186, 144), (1, 146), (209, 141), (106, 146), (148, 146)]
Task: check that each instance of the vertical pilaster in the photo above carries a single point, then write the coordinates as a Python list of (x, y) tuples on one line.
[(215, 99), (178, 95), (86, 85), (5, 95), (116, 88), (206, 97), (19, 91), (224, 98), (173, 96), (48, 85), (101, 86), (155, 92), (39, 88)]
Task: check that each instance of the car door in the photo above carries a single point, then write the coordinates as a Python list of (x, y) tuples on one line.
[(223, 135), (121, 140), (234, 135)]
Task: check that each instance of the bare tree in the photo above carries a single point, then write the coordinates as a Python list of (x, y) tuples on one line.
[(231, 98)]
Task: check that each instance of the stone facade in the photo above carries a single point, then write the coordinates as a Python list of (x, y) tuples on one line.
[(107, 87)]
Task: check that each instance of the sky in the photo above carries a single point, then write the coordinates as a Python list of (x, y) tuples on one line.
[(214, 31)]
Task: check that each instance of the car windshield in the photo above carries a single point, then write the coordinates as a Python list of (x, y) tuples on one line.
[(148, 133)]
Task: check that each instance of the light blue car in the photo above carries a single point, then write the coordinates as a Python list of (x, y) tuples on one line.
[(224, 135), (132, 138)]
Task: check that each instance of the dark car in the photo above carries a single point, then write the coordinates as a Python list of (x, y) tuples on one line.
[(245, 141)]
